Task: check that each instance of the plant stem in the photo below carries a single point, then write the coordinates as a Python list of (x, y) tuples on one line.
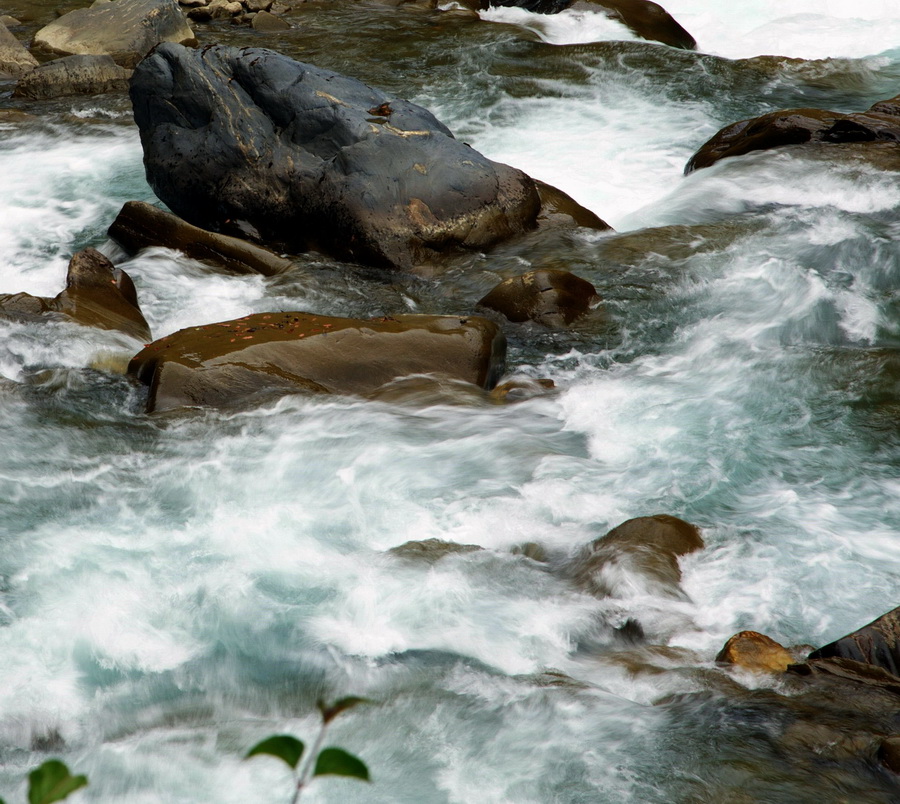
[(309, 764)]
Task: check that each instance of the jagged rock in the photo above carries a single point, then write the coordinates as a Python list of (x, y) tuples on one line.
[(560, 209), (646, 19), (97, 294), (15, 60), (647, 546), (551, 298), (234, 363), (431, 550), (750, 650), (74, 75), (140, 225), (877, 643), (309, 159), (880, 123), (266, 22), (126, 30)]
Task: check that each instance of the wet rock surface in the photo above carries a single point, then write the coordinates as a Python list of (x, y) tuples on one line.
[(877, 643), (97, 294), (74, 75), (239, 362), (647, 546), (126, 30), (311, 159), (551, 298), (750, 650), (880, 123), (140, 225), (431, 550)]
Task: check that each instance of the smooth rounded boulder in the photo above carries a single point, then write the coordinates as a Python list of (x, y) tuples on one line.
[(261, 356), (647, 547), (97, 294), (552, 298), (750, 650), (125, 29), (251, 143), (880, 123)]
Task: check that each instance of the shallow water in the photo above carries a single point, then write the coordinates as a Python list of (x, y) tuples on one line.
[(174, 588)]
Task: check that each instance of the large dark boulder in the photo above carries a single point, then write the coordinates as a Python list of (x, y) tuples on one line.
[(140, 225), (880, 123), (125, 29), (646, 19), (647, 547), (235, 363), (97, 294), (73, 75), (877, 643), (552, 298), (251, 142)]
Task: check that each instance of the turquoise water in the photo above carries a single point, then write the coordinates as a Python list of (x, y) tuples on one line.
[(173, 589)]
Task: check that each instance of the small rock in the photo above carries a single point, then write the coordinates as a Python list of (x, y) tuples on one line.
[(266, 22), (9, 22), (279, 8), (431, 550), (552, 298), (521, 389), (258, 5), (192, 3), (753, 651)]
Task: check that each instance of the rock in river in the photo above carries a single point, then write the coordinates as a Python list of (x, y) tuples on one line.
[(645, 18), (15, 60), (73, 75), (235, 363), (877, 643), (552, 298), (251, 142), (97, 294), (880, 123), (647, 547), (126, 30)]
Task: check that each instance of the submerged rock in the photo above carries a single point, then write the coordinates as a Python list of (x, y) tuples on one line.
[(797, 126), (97, 294), (140, 225), (431, 550), (648, 547), (251, 141), (646, 19), (551, 298), (126, 30), (750, 650), (74, 75), (877, 643), (15, 60), (239, 362)]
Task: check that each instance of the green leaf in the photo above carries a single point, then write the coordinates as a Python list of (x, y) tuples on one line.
[(338, 762), (283, 746), (329, 713), (52, 782)]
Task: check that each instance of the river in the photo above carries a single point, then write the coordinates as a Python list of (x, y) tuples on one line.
[(175, 588)]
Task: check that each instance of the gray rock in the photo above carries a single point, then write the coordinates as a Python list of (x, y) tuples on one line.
[(15, 60), (126, 30), (311, 159), (74, 75)]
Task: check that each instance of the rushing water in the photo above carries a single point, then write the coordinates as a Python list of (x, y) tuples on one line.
[(174, 588)]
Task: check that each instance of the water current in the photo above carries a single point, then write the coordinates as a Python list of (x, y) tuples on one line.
[(174, 588)]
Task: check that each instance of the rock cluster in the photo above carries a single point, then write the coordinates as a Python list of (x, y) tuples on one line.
[(261, 15)]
